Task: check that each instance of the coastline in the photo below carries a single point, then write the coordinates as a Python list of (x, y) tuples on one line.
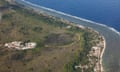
[(102, 53), (49, 12), (100, 58)]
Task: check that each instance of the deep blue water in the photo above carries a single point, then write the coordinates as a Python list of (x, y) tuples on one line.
[(101, 11)]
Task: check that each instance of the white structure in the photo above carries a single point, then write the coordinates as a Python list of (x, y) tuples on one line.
[(80, 26), (68, 27), (95, 51), (19, 45)]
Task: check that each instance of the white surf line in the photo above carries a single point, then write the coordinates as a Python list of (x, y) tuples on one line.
[(52, 10)]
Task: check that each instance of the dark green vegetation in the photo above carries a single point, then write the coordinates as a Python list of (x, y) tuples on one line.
[(58, 49)]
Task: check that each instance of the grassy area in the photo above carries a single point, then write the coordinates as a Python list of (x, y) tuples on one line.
[(58, 48)]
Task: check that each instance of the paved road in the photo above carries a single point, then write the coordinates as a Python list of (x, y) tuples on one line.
[(111, 58)]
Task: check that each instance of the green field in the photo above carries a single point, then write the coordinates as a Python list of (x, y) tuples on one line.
[(58, 48)]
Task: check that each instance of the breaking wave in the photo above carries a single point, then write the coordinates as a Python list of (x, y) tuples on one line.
[(62, 13)]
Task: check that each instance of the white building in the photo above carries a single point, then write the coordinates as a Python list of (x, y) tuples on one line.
[(19, 45)]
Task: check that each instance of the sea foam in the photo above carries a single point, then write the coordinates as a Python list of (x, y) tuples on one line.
[(62, 13)]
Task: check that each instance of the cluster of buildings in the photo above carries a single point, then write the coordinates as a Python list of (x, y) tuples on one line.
[(95, 58), (95, 52), (19, 45)]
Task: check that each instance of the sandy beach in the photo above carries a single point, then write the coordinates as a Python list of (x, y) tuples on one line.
[(101, 59), (100, 55)]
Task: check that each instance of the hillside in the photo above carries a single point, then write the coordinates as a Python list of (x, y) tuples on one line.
[(60, 44)]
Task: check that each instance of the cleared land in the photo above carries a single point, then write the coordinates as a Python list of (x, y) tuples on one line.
[(58, 49)]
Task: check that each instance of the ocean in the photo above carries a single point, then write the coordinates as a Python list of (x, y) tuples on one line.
[(101, 11)]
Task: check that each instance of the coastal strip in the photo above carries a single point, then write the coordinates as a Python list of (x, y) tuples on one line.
[(102, 52), (56, 13), (110, 34)]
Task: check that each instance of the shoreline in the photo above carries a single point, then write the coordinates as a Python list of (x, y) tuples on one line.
[(100, 60), (102, 53), (45, 9), (104, 26)]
